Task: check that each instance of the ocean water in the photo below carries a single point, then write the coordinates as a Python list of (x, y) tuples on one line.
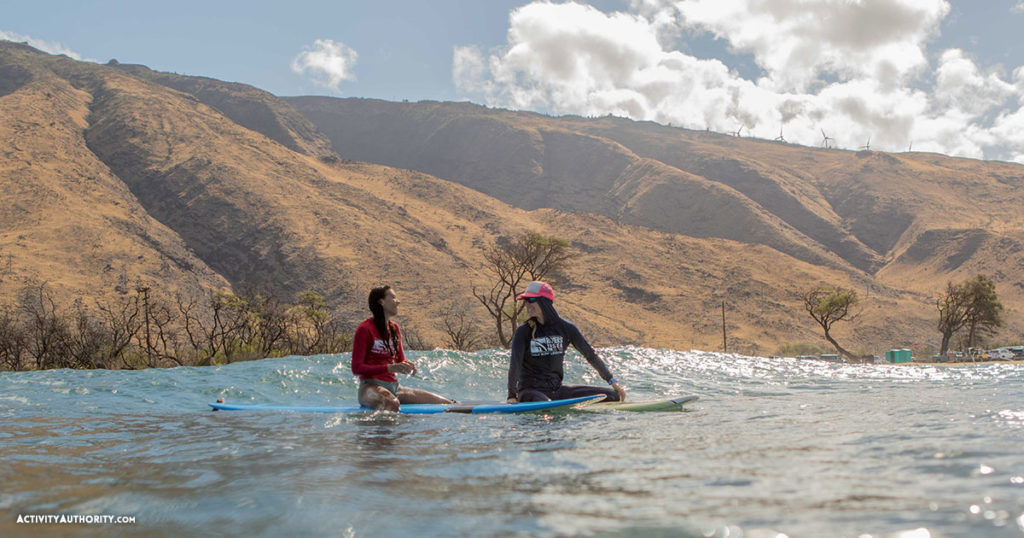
[(774, 447)]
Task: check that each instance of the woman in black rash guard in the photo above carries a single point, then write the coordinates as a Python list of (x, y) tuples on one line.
[(538, 350)]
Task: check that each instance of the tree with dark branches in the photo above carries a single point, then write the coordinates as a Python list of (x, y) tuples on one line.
[(45, 327), (462, 333), (829, 305), (13, 342), (512, 263), (971, 304), (123, 324), (985, 314), (953, 310)]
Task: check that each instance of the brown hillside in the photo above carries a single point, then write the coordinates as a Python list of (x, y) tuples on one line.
[(168, 187), (247, 106), (853, 211), (533, 161), (66, 219)]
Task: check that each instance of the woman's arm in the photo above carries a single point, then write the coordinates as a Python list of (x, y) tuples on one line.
[(515, 366), (401, 366), (362, 341), (580, 343)]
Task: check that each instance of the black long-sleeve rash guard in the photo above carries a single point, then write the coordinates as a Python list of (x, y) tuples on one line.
[(538, 354)]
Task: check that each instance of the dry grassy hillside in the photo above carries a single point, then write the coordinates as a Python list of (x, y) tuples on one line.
[(116, 175), (247, 106), (67, 219), (860, 212), (532, 161)]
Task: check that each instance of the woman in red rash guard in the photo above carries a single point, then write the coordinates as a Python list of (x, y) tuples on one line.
[(377, 355)]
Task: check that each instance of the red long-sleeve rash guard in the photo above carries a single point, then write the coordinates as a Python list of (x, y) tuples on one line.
[(370, 355)]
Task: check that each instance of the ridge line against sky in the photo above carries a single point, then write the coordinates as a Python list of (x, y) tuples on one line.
[(944, 76)]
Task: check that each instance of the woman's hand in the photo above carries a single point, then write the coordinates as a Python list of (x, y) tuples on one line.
[(622, 392), (405, 367), (512, 400)]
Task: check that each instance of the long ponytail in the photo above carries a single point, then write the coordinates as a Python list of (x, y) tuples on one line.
[(388, 331)]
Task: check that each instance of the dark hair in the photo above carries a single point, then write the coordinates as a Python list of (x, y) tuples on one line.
[(384, 327)]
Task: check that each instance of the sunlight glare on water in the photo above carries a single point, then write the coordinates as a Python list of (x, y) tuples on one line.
[(774, 447)]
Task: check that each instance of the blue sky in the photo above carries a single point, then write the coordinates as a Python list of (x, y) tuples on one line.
[(927, 75)]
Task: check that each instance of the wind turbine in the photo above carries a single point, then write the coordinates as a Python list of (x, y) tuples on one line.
[(780, 138), (867, 146), (825, 139), (737, 131)]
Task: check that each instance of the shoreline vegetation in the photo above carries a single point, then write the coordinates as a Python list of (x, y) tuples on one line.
[(142, 330)]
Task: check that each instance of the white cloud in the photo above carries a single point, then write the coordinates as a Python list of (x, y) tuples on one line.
[(50, 47), (328, 62), (469, 70), (797, 41), (1019, 8), (855, 69), (962, 87)]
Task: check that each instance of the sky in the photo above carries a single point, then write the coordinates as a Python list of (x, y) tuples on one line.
[(943, 76)]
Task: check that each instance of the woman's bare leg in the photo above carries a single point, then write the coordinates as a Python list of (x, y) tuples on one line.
[(419, 396), (377, 397)]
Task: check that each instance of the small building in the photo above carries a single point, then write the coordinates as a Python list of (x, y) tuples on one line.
[(898, 355)]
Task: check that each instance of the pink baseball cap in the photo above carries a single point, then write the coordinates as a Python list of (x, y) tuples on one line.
[(537, 289)]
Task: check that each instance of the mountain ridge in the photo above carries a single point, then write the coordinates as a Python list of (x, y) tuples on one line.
[(196, 184)]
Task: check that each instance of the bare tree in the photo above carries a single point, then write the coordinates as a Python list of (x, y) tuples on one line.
[(412, 339), (269, 323), (309, 321), (164, 337), (462, 334), (229, 322), (122, 321), (512, 263), (192, 326), (219, 332), (84, 345), (45, 328), (12, 339), (314, 329)]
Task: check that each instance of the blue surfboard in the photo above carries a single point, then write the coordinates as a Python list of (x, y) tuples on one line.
[(416, 409)]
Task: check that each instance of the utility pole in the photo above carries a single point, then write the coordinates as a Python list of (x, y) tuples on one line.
[(725, 340), (144, 290)]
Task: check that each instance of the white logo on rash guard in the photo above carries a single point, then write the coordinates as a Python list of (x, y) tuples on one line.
[(546, 345), (380, 347)]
